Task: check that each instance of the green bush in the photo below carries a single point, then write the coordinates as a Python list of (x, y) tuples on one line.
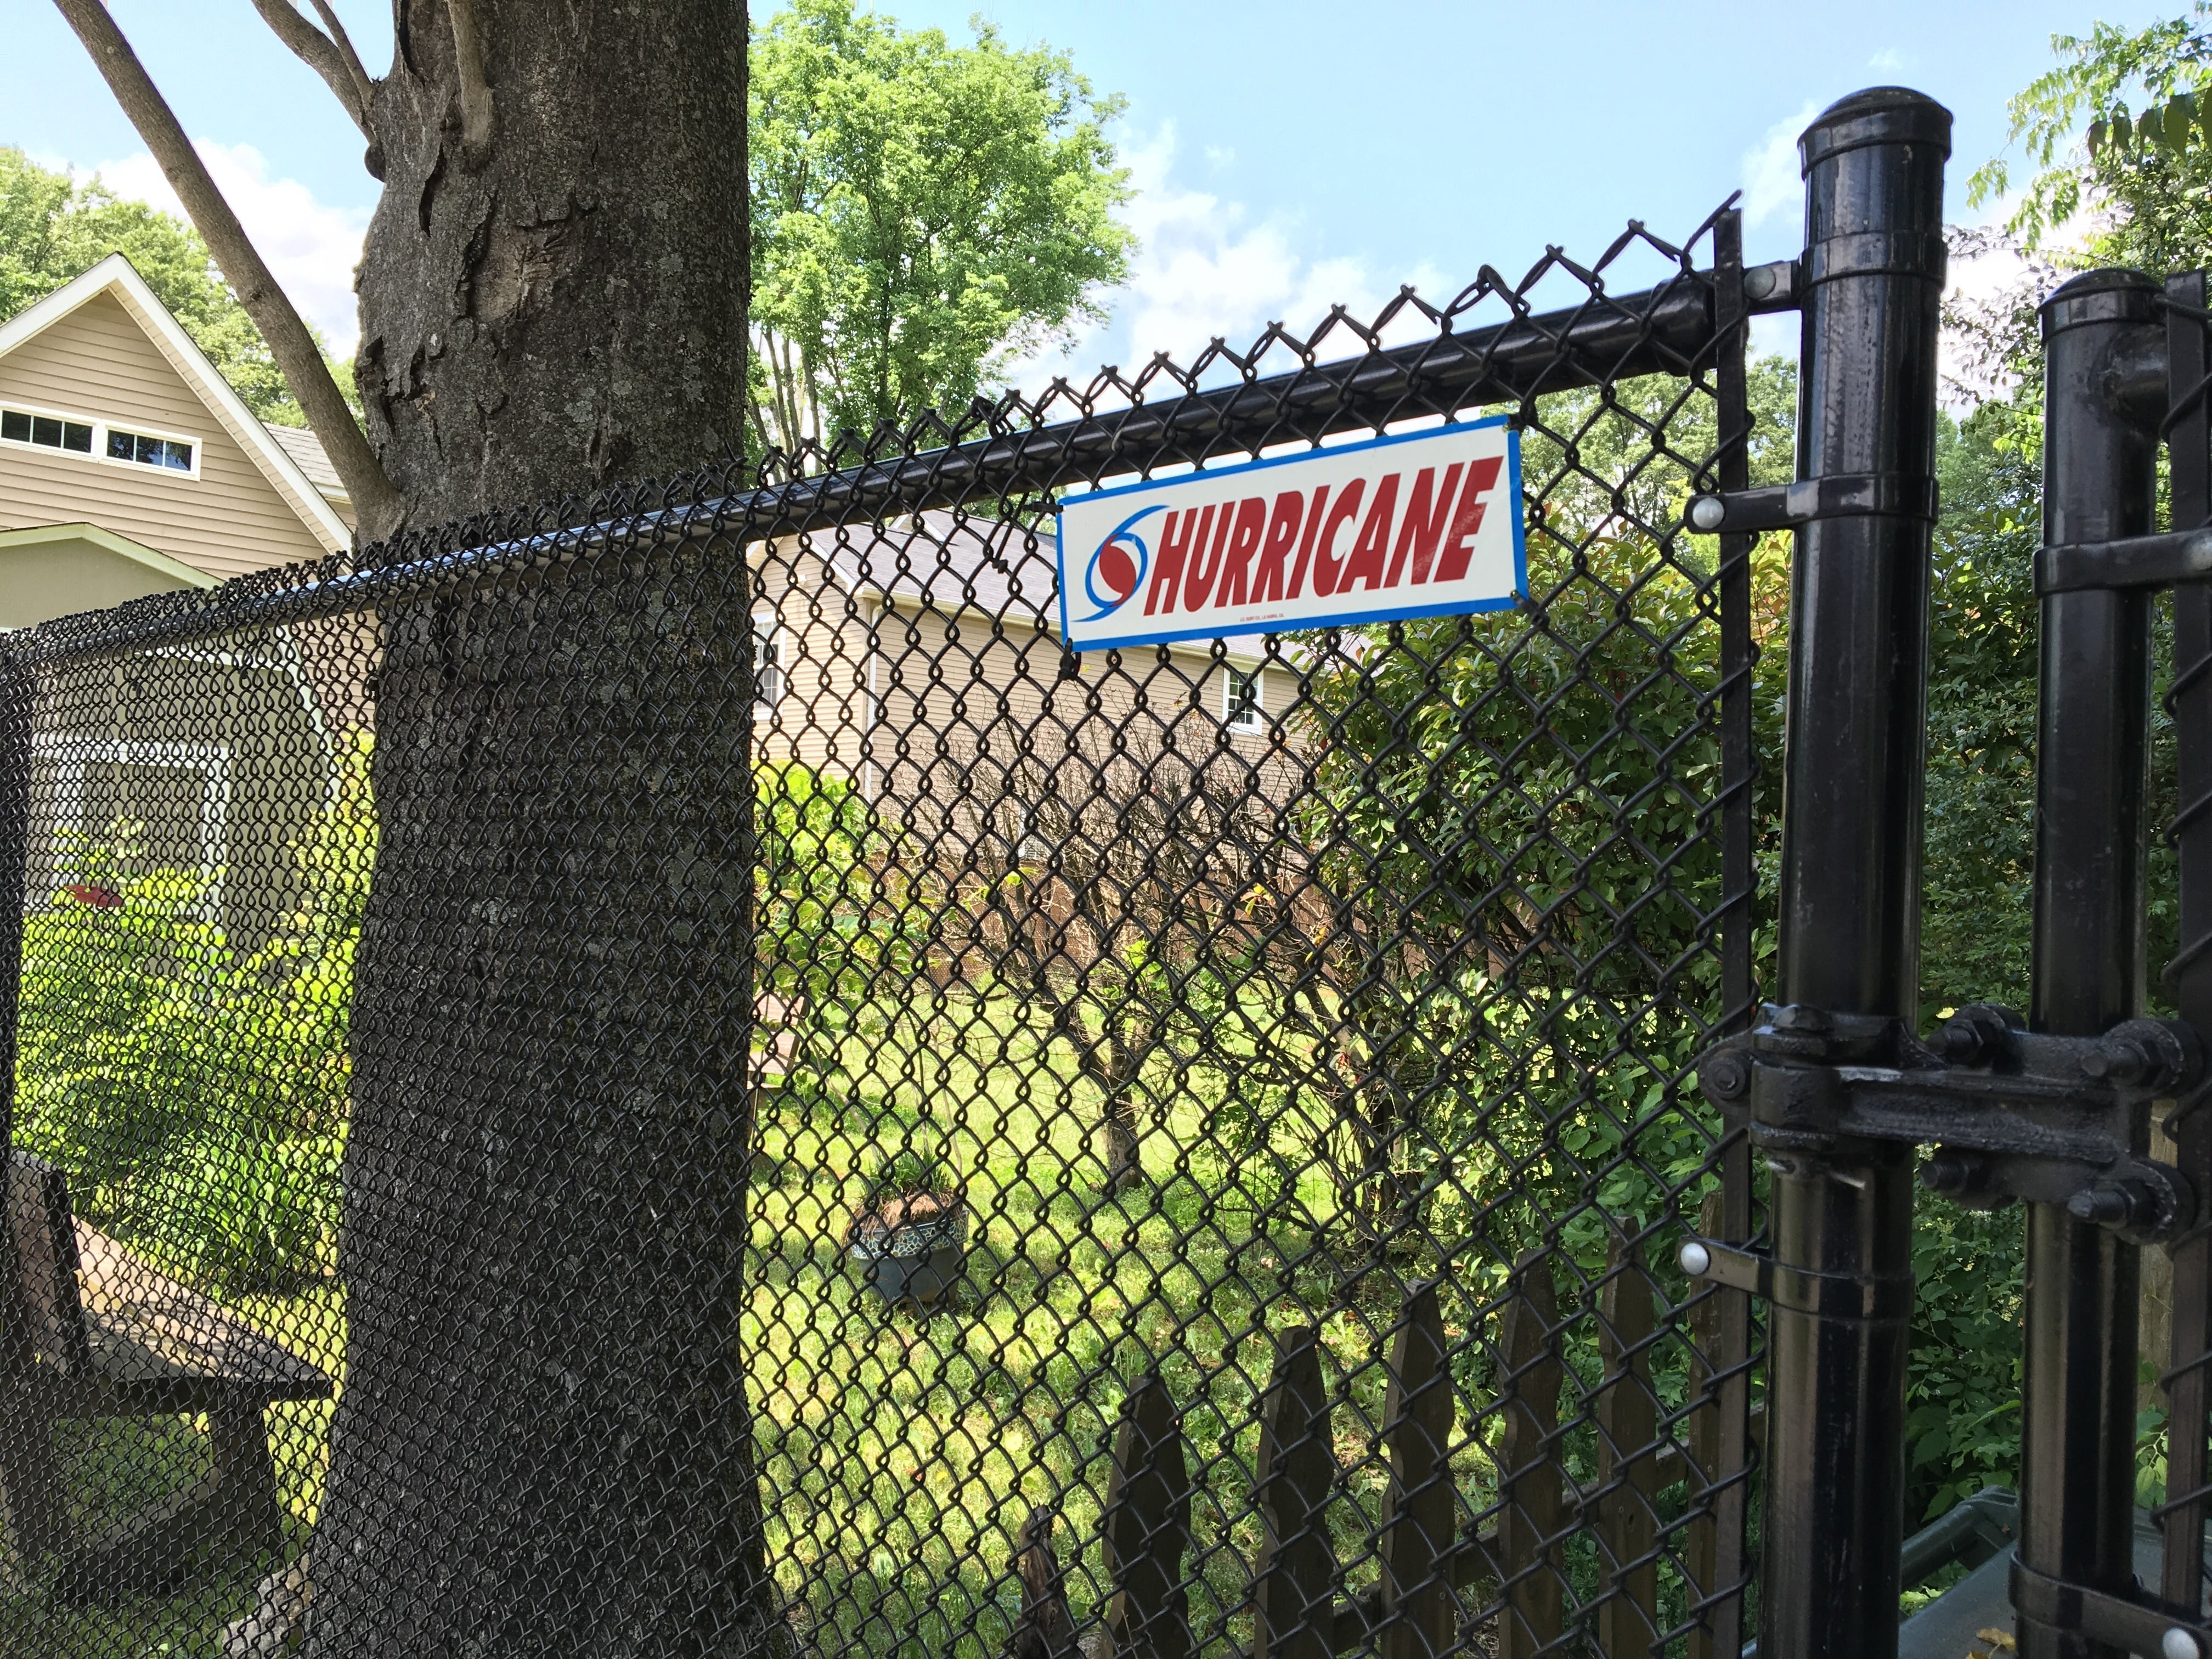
[(832, 917), (197, 1091)]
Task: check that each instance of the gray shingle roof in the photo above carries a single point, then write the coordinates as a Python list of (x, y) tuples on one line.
[(306, 452)]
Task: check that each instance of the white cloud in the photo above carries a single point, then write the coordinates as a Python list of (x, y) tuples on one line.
[(311, 247), (1889, 60), (1206, 267), (1770, 178)]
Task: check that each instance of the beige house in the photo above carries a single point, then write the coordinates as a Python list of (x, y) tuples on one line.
[(128, 465), (921, 660)]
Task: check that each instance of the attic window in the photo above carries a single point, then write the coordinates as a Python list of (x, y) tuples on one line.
[(174, 453), (23, 426), (98, 440)]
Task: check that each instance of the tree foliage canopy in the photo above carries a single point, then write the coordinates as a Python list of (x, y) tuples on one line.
[(53, 228), (2145, 177), (923, 214)]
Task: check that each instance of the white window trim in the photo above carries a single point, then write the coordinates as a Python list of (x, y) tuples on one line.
[(1256, 721), (778, 635), (100, 430), (72, 753)]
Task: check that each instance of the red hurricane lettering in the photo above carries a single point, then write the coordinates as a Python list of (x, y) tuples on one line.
[(1243, 542), (1168, 571), (1374, 543), (1306, 545), (1329, 569), (1198, 581), (1458, 549), (1282, 533), (1424, 524)]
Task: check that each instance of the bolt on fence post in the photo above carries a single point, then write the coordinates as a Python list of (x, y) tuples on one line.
[(2104, 380), (1850, 857)]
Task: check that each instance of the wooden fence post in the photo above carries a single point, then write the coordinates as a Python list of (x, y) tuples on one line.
[(1294, 1613), (1526, 1555), (1147, 1529), (1416, 1538), (1044, 1631), (1628, 1424)]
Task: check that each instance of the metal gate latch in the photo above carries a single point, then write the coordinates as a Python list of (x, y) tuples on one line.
[(1786, 506), (2012, 1113), (2137, 1624)]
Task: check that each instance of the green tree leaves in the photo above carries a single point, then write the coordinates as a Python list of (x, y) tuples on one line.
[(923, 214), (2146, 177), (52, 229)]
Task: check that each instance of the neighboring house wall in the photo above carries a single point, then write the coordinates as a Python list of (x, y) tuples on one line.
[(61, 569), (213, 759), (953, 715), (97, 361)]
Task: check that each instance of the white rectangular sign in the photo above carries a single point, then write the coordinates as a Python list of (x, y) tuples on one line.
[(1420, 525)]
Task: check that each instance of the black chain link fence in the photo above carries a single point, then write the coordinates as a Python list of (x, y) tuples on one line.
[(839, 1127)]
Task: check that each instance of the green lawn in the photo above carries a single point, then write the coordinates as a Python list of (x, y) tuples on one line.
[(901, 1451)]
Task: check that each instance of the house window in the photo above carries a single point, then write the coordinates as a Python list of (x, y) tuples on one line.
[(768, 662), (25, 425), (174, 453), (1242, 702), (97, 440)]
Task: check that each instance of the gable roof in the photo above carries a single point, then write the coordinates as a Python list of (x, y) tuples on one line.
[(136, 552), (301, 444), (116, 276)]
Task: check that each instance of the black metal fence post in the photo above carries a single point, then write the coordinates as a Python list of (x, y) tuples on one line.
[(30, 1507), (2102, 340), (2189, 357), (17, 685), (1851, 861)]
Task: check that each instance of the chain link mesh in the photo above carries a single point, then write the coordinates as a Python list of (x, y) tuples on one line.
[(839, 1127)]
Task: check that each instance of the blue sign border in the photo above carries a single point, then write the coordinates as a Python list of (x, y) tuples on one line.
[(1452, 607)]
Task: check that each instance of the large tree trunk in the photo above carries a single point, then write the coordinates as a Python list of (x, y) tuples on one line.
[(543, 1446), (568, 309)]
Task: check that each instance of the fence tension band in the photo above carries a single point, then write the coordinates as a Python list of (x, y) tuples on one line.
[(1788, 507), (2174, 559), (2132, 1624)]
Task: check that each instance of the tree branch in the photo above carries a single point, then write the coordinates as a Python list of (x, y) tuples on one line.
[(479, 119), (379, 507), (362, 79), (318, 52)]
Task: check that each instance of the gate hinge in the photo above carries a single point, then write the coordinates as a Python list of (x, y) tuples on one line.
[(1838, 495), (2133, 1624), (2012, 1113)]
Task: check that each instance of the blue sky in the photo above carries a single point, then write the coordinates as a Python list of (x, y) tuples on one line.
[(1289, 154)]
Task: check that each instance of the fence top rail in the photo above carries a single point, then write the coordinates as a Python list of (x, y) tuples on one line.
[(1604, 339)]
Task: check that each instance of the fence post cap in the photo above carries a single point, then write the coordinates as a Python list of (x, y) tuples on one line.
[(1877, 115)]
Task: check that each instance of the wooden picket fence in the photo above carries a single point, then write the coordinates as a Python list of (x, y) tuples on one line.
[(1513, 1570)]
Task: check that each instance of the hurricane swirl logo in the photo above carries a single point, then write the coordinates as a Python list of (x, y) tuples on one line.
[(1117, 566)]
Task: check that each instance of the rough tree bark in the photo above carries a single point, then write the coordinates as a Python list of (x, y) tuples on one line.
[(542, 1445), (561, 304)]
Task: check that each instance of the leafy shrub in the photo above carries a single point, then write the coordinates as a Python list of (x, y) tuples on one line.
[(197, 1091), (832, 910)]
